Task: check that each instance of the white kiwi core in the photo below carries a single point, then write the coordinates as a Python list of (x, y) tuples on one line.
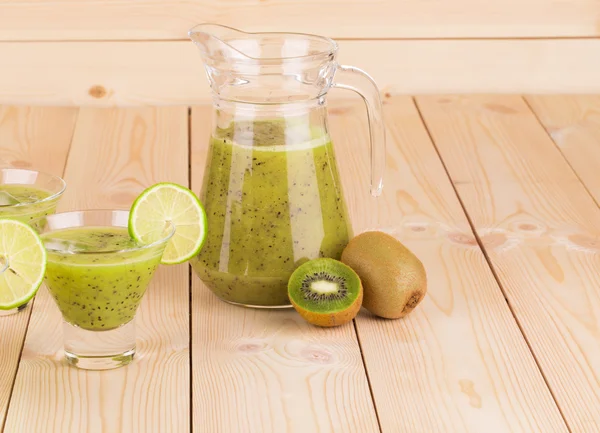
[(324, 287)]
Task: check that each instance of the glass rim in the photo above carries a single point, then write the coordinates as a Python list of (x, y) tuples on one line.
[(163, 240), (45, 199), (332, 51)]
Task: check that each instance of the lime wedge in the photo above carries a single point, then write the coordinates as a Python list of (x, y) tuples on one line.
[(165, 202), (23, 258)]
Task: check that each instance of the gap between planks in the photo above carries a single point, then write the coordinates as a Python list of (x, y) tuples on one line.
[(567, 160), (337, 39), (369, 382), (190, 276), (489, 261)]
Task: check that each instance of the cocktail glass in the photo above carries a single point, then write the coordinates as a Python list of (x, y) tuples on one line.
[(98, 275), (26, 195)]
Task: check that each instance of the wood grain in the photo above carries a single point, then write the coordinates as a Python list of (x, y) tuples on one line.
[(573, 122), (270, 371), (459, 362), (38, 139), (540, 229), (115, 154), (162, 19), (157, 73)]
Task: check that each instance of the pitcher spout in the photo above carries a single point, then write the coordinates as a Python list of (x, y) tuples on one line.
[(213, 41)]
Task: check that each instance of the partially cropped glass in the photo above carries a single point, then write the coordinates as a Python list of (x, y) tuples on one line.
[(26, 195), (98, 276)]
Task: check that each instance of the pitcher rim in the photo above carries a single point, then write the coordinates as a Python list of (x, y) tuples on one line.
[(325, 53)]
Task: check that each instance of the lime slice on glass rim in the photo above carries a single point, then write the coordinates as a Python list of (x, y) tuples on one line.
[(23, 259), (165, 202)]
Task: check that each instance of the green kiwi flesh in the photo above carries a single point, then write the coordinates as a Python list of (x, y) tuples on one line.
[(325, 292)]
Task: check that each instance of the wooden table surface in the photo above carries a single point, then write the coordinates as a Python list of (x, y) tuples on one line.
[(498, 195)]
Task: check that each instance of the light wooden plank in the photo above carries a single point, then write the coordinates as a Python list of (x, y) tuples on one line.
[(38, 139), (153, 73), (270, 371), (115, 154), (162, 19), (459, 362), (573, 122), (540, 228)]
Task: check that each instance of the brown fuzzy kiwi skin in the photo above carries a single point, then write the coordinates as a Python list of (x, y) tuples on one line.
[(331, 319), (393, 278)]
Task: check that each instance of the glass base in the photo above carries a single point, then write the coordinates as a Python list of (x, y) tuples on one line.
[(99, 350), (262, 307), (13, 311)]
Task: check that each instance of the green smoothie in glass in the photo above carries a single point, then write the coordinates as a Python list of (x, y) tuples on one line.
[(98, 275), (25, 203), (100, 290), (273, 199), (26, 195), (21, 194)]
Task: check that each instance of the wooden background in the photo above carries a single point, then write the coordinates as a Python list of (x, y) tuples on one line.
[(497, 195), (136, 52)]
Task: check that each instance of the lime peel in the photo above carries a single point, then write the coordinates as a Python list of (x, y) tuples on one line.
[(21, 280), (169, 202)]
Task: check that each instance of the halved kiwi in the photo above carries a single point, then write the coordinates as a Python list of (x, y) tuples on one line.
[(325, 292)]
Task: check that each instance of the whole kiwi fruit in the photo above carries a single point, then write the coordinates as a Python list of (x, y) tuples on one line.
[(325, 292), (393, 278)]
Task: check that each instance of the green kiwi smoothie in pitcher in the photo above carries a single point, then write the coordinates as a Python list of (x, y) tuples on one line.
[(271, 203), (271, 188)]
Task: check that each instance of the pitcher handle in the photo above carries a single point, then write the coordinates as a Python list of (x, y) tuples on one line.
[(357, 80)]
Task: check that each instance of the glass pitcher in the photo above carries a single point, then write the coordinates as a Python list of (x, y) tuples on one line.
[(271, 187)]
